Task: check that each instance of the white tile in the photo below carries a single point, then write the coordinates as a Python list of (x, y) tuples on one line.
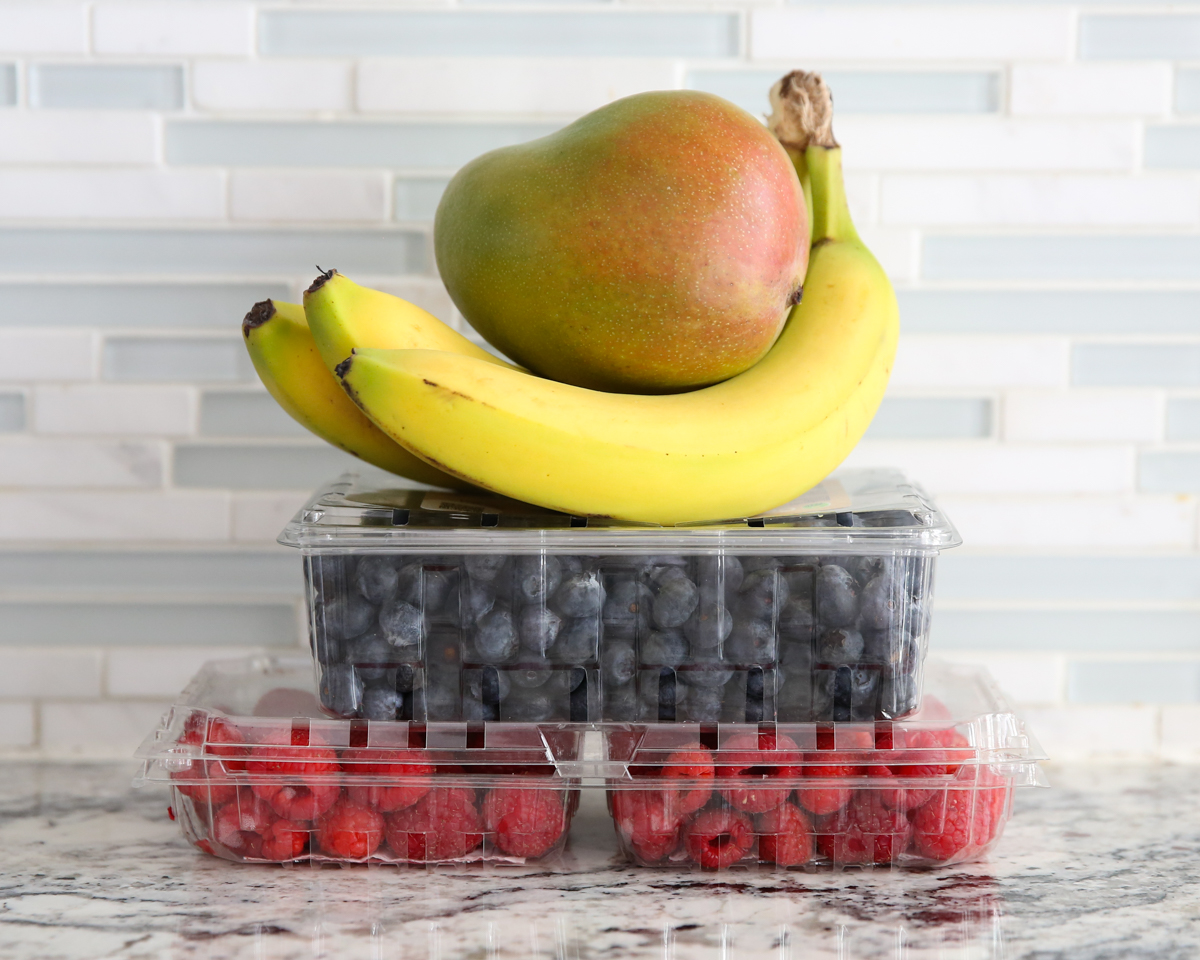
[(1023, 678), (17, 724), (106, 729), (1181, 733), (1067, 523), (862, 196), (161, 672), (111, 194), (47, 355), (910, 32), (260, 516), (945, 360), (53, 462), (59, 672), (44, 27), (271, 85), (949, 200), (1101, 89), (1082, 415), (69, 516), (1095, 733), (179, 26), (440, 85), (62, 136), (978, 466), (919, 143), (114, 409), (286, 196), (895, 249)]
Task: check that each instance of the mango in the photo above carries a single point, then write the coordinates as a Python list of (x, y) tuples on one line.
[(654, 245)]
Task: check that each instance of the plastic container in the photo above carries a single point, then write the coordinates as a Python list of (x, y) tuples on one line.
[(258, 775), (430, 606)]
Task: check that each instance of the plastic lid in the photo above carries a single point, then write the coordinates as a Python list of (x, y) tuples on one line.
[(264, 706), (852, 511)]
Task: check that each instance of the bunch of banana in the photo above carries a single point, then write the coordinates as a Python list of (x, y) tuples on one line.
[(730, 450)]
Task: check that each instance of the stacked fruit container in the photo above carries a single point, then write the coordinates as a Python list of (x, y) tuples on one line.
[(751, 690)]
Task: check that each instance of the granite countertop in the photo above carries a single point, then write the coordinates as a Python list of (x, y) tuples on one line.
[(1105, 864)]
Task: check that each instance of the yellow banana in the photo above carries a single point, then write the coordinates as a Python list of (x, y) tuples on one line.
[(342, 316), (286, 358), (731, 450)]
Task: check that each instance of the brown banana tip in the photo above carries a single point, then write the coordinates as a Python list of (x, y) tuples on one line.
[(343, 368), (802, 111), (324, 278), (259, 314)]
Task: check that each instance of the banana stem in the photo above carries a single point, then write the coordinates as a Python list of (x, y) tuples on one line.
[(829, 212)]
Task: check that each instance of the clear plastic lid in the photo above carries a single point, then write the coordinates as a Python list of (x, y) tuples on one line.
[(852, 511), (269, 703)]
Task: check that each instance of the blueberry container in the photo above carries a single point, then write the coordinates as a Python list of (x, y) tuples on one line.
[(436, 607), (258, 773)]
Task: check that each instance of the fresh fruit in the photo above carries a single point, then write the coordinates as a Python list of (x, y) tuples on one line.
[(655, 244), (730, 450), (717, 838), (785, 836), (350, 831), (865, 831), (442, 825), (753, 765), (955, 825), (283, 352), (284, 840), (648, 821), (296, 778), (526, 821), (379, 764), (691, 763)]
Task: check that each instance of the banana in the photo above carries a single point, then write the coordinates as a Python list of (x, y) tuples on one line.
[(727, 451), (343, 315), (285, 356)]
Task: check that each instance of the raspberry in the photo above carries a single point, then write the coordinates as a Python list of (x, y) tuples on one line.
[(864, 832), (314, 766), (411, 765), (220, 731), (898, 798), (690, 762), (527, 821), (216, 789), (753, 762), (829, 764), (284, 840), (237, 825), (350, 831), (442, 825), (955, 825), (717, 838), (784, 836), (648, 821)]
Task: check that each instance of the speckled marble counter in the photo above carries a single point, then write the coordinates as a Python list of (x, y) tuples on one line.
[(1105, 864)]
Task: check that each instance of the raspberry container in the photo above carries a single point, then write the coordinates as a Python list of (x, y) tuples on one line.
[(932, 789), (259, 774), (436, 607)]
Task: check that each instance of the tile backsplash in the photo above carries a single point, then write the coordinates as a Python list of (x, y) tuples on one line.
[(1028, 173)]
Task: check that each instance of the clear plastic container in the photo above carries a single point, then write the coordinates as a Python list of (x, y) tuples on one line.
[(430, 606), (257, 774)]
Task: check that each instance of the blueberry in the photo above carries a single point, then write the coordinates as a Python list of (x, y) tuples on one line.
[(577, 676), (439, 699), (621, 702), (341, 690), (702, 705), (577, 641), (372, 655), (708, 626), (475, 711), (626, 610), (763, 592), (408, 678), (485, 567), (666, 648), (376, 578), (752, 564), (381, 703), (536, 577), (618, 662), (917, 618), (864, 693), (489, 684), (720, 570), (531, 706), (400, 623), (800, 576), (495, 635), (796, 621), (663, 699), (674, 600), (877, 603), (580, 595), (529, 678), (898, 696), (755, 706), (837, 596), (422, 586), (469, 601), (707, 674), (346, 617), (752, 641), (325, 648), (570, 566), (806, 698), (840, 645), (866, 569), (538, 627)]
